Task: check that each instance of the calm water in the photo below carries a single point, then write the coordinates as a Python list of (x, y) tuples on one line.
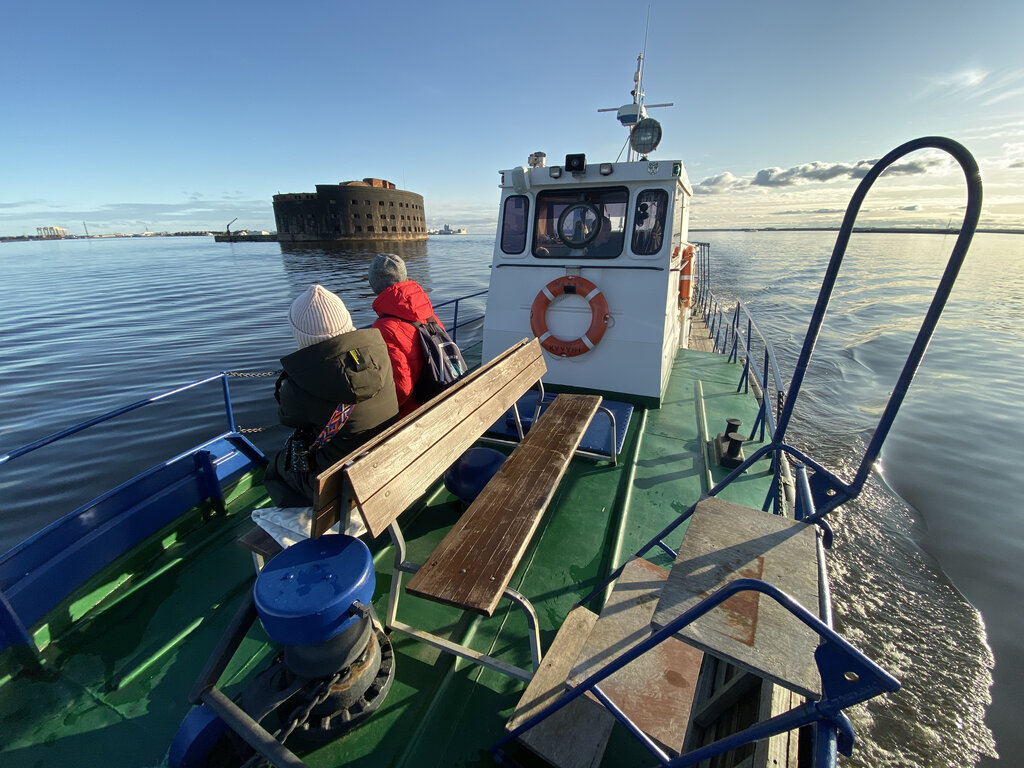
[(91, 325)]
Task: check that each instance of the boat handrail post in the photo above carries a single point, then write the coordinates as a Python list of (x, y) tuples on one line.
[(228, 408)]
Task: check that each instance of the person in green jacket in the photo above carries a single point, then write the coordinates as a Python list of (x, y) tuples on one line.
[(336, 391)]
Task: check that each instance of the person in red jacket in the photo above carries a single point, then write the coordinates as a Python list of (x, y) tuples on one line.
[(399, 302)]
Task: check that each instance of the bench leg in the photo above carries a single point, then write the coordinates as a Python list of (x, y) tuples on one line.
[(400, 567), (531, 621), (392, 623)]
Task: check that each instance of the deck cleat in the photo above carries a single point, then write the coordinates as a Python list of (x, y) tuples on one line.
[(729, 445)]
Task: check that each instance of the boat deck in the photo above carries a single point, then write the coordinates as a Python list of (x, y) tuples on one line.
[(115, 687)]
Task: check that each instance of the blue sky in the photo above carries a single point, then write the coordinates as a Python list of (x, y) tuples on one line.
[(182, 116)]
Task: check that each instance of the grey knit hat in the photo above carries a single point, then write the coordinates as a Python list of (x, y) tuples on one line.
[(386, 270), (317, 315)]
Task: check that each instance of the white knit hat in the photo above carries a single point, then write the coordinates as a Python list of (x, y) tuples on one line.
[(317, 315)]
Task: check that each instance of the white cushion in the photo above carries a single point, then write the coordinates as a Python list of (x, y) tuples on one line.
[(291, 524)]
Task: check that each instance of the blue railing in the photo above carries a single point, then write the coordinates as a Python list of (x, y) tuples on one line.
[(44, 441), (736, 334), (453, 328)]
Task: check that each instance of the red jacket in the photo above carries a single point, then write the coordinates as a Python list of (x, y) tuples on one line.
[(406, 300)]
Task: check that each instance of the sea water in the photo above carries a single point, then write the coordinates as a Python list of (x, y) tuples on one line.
[(90, 325)]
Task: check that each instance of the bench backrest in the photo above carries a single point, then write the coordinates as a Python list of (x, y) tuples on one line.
[(384, 476)]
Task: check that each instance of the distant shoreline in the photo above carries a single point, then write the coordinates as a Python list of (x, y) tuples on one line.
[(864, 230), (33, 238)]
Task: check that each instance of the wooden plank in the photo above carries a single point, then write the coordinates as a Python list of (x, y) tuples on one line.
[(474, 563), (259, 541), (385, 483), (724, 542), (575, 736), (656, 690), (392, 452)]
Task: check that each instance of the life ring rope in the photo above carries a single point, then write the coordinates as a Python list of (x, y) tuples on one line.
[(599, 316)]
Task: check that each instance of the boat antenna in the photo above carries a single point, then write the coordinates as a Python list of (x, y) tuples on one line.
[(630, 115), (638, 78)]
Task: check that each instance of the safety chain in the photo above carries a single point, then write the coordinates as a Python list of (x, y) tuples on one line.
[(254, 375), (299, 717), (253, 430), (301, 714)]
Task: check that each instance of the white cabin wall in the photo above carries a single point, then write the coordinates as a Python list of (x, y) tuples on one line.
[(630, 356)]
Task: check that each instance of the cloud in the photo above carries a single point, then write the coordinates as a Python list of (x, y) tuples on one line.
[(723, 182), (920, 166), (1013, 155), (805, 212), (807, 173), (810, 172), (974, 83), (22, 203)]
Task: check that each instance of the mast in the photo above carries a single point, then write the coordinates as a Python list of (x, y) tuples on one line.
[(630, 115)]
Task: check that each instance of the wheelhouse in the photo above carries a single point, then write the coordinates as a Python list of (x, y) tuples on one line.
[(619, 228)]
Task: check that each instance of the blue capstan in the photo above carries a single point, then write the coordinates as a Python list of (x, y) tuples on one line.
[(307, 593)]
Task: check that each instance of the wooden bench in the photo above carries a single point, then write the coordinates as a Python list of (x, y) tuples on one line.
[(472, 567)]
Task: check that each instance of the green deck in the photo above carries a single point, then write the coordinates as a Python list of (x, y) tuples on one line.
[(115, 686)]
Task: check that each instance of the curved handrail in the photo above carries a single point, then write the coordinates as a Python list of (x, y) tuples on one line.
[(834, 492)]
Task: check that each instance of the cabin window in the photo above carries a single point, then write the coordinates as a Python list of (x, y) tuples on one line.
[(580, 223), (514, 223), (649, 221)]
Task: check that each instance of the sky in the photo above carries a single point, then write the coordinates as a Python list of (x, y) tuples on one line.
[(128, 116)]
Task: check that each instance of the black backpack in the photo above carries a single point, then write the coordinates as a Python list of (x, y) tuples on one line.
[(443, 364)]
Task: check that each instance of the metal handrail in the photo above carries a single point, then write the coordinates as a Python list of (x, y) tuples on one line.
[(52, 438), (455, 321), (828, 490)]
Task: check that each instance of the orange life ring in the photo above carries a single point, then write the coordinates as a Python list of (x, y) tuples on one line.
[(598, 316), (686, 276)]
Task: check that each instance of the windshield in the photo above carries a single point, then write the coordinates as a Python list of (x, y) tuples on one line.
[(580, 223)]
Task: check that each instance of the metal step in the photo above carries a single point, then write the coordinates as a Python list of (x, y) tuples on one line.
[(655, 690)]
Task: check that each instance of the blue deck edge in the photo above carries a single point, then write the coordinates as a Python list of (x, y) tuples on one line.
[(40, 572)]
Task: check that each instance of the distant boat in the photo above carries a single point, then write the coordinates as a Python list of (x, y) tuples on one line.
[(447, 230)]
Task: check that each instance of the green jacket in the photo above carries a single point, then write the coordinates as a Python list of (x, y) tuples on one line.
[(350, 368)]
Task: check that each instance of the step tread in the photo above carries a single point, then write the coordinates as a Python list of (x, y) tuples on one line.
[(655, 690), (576, 736), (724, 542)]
